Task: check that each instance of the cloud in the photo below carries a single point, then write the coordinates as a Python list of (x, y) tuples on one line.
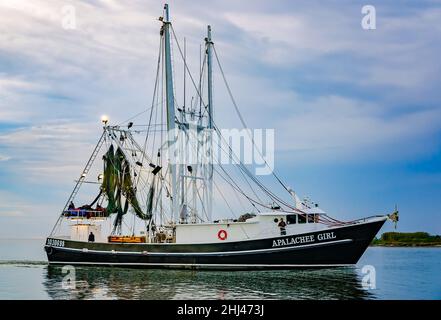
[(13, 205), (106, 61), (11, 84), (332, 91), (335, 127), (4, 158), (22, 216), (45, 152), (400, 54)]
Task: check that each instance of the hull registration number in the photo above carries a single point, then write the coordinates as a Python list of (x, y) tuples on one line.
[(55, 242)]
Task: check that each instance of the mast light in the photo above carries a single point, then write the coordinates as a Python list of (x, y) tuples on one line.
[(104, 119)]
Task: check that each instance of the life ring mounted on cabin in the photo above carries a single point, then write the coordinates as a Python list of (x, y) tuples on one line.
[(222, 234)]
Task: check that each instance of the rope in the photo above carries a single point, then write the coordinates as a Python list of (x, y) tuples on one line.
[(186, 66), (242, 119)]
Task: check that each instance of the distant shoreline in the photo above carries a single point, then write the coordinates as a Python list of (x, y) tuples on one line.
[(407, 239), (406, 245)]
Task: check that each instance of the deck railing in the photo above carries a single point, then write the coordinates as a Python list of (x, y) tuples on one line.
[(84, 214)]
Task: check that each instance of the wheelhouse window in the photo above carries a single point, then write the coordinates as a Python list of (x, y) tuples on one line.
[(310, 218), (302, 218), (291, 219)]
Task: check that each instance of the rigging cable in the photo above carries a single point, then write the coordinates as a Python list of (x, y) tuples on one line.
[(153, 102), (242, 119), (274, 197)]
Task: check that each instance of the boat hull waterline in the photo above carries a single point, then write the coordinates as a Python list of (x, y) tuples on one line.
[(333, 247)]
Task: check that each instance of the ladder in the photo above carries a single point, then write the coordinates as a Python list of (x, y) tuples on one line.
[(80, 181), (86, 170)]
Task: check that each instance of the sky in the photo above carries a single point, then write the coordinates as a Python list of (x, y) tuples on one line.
[(356, 112)]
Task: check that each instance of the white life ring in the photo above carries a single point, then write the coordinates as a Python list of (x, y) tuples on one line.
[(222, 234)]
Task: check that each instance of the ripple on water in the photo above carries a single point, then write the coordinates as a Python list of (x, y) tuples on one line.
[(400, 274), (22, 263)]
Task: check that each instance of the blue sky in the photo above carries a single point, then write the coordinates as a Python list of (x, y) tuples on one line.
[(357, 112)]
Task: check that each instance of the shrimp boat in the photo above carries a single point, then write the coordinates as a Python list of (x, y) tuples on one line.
[(153, 200)]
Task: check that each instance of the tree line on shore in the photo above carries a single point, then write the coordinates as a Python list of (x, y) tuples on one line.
[(407, 239)]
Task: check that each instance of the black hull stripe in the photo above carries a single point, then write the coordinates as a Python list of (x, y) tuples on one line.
[(221, 253)]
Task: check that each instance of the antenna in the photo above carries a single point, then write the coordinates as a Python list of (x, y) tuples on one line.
[(200, 81), (185, 69), (167, 18), (208, 45)]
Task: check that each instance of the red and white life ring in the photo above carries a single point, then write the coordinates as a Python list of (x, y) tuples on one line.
[(222, 234)]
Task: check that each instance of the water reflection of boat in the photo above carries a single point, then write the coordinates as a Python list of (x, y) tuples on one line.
[(121, 283)]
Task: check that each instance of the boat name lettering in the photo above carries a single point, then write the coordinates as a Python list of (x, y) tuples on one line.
[(326, 236), (55, 242), (304, 239)]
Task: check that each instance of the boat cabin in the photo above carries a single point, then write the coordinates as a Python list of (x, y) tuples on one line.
[(262, 225), (248, 226)]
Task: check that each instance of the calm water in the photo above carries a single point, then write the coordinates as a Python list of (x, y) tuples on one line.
[(401, 273)]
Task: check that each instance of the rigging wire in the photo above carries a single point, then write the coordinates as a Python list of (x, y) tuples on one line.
[(242, 119), (251, 176), (243, 123), (254, 178), (153, 102), (231, 210), (186, 66), (135, 116)]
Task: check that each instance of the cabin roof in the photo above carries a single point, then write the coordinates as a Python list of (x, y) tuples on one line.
[(315, 210)]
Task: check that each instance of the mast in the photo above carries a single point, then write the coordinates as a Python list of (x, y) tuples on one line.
[(209, 180), (209, 45), (170, 101)]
